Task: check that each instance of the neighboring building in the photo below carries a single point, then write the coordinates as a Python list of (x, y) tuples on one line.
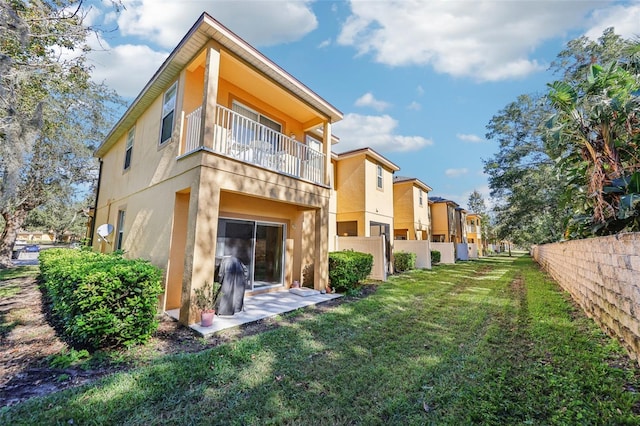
[(223, 153), (411, 209), (474, 232), (461, 225), (444, 228), (35, 237), (363, 186)]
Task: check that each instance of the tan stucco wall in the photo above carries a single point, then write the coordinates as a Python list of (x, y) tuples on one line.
[(408, 213), (603, 277), (358, 198), (440, 224), (350, 187), (173, 202)]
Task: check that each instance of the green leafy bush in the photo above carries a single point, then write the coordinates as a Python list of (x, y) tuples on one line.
[(435, 256), (100, 301), (403, 261), (348, 268)]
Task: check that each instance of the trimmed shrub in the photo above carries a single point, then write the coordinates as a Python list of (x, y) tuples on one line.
[(435, 256), (348, 268), (403, 261), (100, 301)]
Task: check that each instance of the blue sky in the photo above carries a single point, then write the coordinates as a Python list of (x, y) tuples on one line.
[(417, 80)]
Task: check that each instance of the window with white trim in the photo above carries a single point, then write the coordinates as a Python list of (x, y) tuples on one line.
[(120, 232), (128, 151), (245, 131), (420, 197), (168, 113), (379, 177)]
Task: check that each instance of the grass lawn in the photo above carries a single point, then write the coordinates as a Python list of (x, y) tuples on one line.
[(485, 342)]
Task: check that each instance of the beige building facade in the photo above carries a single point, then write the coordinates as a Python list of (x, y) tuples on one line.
[(223, 153), (411, 220), (474, 231), (443, 220), (363, 191)]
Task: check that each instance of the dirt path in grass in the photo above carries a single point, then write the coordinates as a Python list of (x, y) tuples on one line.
[(27, 340)]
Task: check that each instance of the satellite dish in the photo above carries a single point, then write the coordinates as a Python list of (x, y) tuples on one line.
[(104, 230)]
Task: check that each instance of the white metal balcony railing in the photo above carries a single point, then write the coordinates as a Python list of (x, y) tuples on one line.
[(241, 138), (472, 228)]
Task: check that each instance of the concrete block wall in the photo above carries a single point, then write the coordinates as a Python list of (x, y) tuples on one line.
[(603, 277)]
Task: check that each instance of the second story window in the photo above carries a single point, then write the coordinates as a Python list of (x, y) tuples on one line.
[(379, 177), (168, 112), (256, 126), (129, 148), (420, 197)]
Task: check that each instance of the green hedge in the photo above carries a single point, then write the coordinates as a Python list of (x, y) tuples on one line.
[(100, 301), (348, 268), (403, 261), (435, 256)]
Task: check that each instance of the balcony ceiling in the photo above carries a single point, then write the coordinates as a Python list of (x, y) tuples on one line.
[(249, 79)]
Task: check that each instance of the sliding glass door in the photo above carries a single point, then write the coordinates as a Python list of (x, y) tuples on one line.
[(258, 245)]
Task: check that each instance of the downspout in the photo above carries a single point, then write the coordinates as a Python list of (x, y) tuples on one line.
[(95, 204)]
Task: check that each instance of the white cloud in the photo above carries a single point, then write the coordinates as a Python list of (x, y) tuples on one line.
[(258, 22), (324, 43), (456, 172), (624, 18), (414, 106), (469, 138), (485, 40), (420, 90), (368, 100), (113, 65), (375, 131)]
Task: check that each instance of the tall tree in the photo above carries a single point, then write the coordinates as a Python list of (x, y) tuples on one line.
[(522, 176), (538, 159), (476, 204), (52, 115), (594, 137)]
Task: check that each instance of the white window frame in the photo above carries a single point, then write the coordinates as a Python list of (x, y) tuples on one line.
[(128, 151), (379, 177), (168, 108), (420, 197), (119, 242), (260, 118)]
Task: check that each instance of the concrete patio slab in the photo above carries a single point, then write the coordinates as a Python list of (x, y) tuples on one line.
[(263, 306)]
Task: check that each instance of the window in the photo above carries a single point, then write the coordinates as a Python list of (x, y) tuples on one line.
[(313, 143), (245, 131), (120, 232), (420, 197), (168, 112), (379, 177), (129, 149)]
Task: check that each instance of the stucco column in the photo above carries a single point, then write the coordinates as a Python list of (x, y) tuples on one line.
[(202, 231), (326, 143), (210, 94), (321, 249)]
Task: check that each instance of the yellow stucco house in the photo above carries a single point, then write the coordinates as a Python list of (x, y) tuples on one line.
[(474, 231), (223, 153), (411, 220), (363, 190), (461, 225), (443, 220)]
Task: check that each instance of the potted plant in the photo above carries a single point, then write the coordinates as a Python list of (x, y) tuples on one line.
[(205, 299)]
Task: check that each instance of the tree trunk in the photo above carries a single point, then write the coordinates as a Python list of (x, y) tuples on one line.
[(12, 224)]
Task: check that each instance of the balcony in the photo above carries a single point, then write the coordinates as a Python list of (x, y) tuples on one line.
[(238, 137)]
